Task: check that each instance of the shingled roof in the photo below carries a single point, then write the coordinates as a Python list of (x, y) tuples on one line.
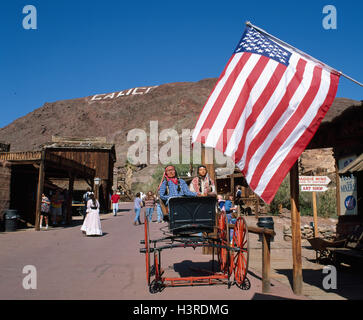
[(79, 143)]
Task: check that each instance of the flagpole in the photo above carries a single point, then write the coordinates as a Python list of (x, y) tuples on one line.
[(299, 51)]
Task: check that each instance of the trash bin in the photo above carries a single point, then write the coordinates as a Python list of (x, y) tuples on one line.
[(265, 222), (11, 220)]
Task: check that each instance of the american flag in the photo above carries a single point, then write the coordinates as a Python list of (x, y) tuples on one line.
[(265, 108)]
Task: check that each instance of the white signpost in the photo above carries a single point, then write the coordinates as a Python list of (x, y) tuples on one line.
[(314, 184), (314, 188), (314, 180)]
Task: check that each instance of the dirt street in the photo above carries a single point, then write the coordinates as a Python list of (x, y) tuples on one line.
[(72, 266)]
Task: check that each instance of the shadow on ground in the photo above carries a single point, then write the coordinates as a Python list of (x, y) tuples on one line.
[(349, 280), (188, 268)]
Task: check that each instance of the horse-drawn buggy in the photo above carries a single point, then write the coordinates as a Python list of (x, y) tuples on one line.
[(196, 222)]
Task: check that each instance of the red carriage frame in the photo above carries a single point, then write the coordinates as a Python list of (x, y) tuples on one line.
[(232, 255)]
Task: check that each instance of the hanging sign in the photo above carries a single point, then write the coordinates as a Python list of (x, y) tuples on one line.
[(348, 189)]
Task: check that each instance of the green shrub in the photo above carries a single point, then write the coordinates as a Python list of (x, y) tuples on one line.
[(282, 197), (326, 201)]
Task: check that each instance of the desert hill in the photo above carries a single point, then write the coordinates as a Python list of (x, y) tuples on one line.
[(113, 115)]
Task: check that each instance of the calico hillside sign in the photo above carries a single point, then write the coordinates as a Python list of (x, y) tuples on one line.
[(128, 92)]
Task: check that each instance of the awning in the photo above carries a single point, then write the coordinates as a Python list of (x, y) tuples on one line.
[(354, 166)]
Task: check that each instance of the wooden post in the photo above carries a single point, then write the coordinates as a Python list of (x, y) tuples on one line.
[(315, 214), (266, 267), (337, 184), (232, 186), (69, 199), (296, 231), (208, 162), (256, 205), (39, 191)]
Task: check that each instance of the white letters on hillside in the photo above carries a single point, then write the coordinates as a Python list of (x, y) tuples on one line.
[(128, 92)]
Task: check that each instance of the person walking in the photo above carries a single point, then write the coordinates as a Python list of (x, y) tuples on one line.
[(86, 197), (149, 205), (92, 223), (44, 211), (137, 208), (115, 198), (159, 210)]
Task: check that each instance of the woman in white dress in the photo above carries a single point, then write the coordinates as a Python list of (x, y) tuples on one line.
[(92, 223)]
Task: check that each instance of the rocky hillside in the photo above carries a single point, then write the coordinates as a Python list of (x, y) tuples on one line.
[(113, 115), (174, 105)]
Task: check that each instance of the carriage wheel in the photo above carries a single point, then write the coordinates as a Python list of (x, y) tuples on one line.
[(147, 247), (222, 235), (240, 259)]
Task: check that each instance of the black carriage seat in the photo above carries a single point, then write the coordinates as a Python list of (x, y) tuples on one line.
[(188, 215)]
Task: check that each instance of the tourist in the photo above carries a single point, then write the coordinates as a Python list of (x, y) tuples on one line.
[(159, 210), (221, 202), (149, 205), (86, 197), (173, 186), (202, 184), (115, 198), (92, 223), (229, 206), (137, 207), (44, 211)]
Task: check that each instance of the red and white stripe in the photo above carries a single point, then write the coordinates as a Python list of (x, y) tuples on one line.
[(263, 114)]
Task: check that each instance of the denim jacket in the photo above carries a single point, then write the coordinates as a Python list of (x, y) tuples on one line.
[(173, 190)]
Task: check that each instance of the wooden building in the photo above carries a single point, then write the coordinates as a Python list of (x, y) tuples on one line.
[(342, 130), (94, 153), (25, 175)]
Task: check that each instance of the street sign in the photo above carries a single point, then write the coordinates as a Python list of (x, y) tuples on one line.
[(314, 180), (314, 188)]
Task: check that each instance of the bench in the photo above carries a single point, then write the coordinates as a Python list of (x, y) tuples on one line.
[(352, 252), (188, 215)]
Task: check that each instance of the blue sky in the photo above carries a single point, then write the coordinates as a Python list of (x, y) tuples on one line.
[(81, 47)]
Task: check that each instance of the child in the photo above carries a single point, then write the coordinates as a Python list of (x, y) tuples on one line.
[(229, 207), (220, 202)]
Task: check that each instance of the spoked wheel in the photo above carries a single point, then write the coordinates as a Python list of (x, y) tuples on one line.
[(240, 258), (156, 286), (147, 247), (222, 235)]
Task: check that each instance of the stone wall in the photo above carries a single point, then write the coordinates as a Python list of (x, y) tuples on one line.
[(307, 232)]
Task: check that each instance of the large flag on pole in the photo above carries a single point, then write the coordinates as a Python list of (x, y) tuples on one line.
[(265, 108)]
